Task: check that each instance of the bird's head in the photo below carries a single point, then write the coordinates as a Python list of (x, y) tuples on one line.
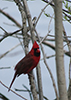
[(35, 49)]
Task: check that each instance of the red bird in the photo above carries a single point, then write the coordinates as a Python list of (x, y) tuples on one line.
[(29, 62)]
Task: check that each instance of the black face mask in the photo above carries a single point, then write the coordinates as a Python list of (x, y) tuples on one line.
[(37, 54)]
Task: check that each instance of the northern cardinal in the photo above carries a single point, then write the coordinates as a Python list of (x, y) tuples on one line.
[(29, 62)]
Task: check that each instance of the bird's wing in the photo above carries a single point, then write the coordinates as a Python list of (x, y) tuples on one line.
[(25, 64)]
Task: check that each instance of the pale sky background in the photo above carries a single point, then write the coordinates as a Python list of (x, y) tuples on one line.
[(10, 60)]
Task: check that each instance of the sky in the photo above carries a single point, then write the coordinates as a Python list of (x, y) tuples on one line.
[(11, 59)]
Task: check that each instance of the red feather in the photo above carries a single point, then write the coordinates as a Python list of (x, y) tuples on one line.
[(29, 62)]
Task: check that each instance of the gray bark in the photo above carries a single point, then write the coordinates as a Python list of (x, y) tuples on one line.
[(59, 51)]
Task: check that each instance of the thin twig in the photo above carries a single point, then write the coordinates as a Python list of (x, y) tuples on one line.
[(13, 91), (47, 57), (53, 47), (50, 22), (10, 17), (9, 51), (63, 36), (13, 25), (4, 30), (5, 67), (43, 37), (47, 1), (21, 90), (8, 34), (41, 14)]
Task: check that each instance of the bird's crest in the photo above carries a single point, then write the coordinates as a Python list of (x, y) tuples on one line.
[(35, 45)]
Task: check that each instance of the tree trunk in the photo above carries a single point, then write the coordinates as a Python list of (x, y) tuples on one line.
[(59, 51)]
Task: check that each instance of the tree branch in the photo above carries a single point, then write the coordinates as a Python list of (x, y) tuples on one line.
[(10, 17), (9, 51), (13, 91), (8, 34)]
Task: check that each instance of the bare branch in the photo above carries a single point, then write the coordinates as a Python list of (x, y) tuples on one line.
[(9, 51), (10, 17), (47, 1), (44, 37), (8, 34), (53, 47), (41, 14), (13, 91), (5, 67)]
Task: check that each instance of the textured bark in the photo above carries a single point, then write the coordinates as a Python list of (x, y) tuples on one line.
[(59, 51), (69, 90)]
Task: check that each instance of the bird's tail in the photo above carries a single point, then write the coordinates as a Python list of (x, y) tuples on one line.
[(12, 81)]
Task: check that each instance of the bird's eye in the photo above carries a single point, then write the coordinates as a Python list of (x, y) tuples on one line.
[(36, 52)]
